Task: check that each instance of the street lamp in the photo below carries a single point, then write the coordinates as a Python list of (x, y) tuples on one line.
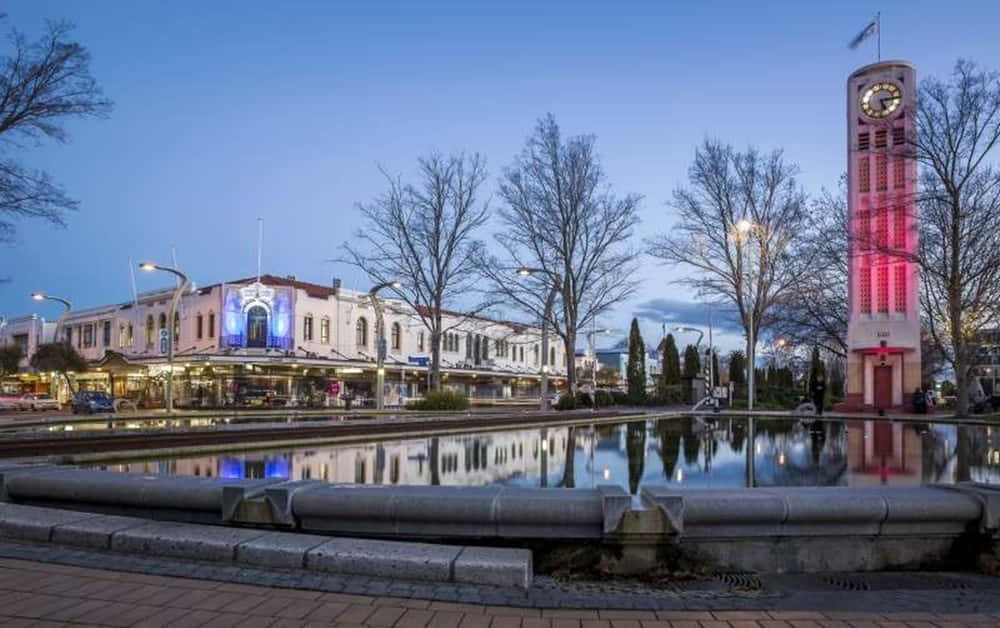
[(543, 386), (181, 285), (711, 356), (41, 296), (380, 340), (742, 228), (593, 352)]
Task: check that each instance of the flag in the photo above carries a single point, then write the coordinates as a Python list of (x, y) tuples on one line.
[(865, 33)]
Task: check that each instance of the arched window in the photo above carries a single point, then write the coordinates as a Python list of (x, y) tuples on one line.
[(177, 327), (257, 326), (199, 326), (307, 327), (163, 320), (211, 324), (397, 337), (361, 333), (324, 330), (150, 331)]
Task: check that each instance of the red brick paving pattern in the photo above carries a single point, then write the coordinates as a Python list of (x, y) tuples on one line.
[(43, 595)]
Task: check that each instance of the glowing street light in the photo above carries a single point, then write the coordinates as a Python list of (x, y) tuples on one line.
[(181, 286), (41, 296)]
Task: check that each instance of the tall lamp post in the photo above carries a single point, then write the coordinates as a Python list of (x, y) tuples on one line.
[(743, 228), (711, 355), (593, 352), (41, 296), (543, 386), (380, 348), (178, 291)]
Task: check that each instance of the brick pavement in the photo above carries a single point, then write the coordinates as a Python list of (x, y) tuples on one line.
[(47, 595)]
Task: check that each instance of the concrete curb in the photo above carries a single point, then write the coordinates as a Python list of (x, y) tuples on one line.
[(226, 544)]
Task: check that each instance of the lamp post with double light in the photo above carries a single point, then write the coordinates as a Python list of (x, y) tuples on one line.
[(380, 348), (543, 385), (41, 296), (743, 228), (178, 291)]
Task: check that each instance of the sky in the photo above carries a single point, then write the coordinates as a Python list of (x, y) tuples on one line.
[(230, 111)]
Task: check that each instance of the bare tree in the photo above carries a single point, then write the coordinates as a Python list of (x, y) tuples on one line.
[(958, 126), (814, 310), (561, 218), (737, 227), (424, 237), (42, 84)]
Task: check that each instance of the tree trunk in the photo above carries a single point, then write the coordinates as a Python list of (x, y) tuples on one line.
[(569, 346), (435, 383)]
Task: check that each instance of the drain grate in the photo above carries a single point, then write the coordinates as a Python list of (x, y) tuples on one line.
[(742, 580), (848, 582)]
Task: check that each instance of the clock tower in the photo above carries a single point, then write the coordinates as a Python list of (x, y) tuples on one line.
[(883, 331)]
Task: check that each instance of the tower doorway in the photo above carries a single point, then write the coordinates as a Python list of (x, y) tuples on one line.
[(882, 387)]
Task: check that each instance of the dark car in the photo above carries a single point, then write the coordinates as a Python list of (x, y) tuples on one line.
[(91, 401)]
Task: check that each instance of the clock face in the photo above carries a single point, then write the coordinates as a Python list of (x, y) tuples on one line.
[(881, 100)]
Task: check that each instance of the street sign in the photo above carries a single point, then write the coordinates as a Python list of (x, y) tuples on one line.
[(164, 340), (418, 360)]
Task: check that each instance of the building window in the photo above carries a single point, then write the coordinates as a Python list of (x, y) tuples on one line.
[(324, 331), (864, 175), (394, 470), (198, 327), (898, 136), (552, 356), (880, 136), (420, 341), (535, 353), (468, 346), (150, 331), (163, 321), (898, 172), (881, 173), (79, 337), (257, 326), (899, 228), (883, 289), (882, 233), (211, 324), (131, 335), (122, 338), (522, 354), (864, 230), (359, 470), (106, 333), (865, 289), (864, 140), (900, 287), (88, 335), (177, 327), (361, 333), (307, 328), (397, 337)]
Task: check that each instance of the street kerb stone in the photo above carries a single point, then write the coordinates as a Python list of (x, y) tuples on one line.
[(278, 549), (94, 531), (33, 523), (183, 540), (494, 565), (387, 559)]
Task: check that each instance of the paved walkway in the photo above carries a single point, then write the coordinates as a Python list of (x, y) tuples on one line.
[(44, 595)]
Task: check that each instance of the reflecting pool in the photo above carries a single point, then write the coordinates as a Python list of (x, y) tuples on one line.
[(683, 452)]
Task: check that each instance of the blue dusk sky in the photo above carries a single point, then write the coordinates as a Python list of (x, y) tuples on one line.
[(229, 111)]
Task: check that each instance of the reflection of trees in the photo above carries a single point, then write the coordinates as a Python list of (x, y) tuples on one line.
[(692, 444), (568, 480), (669, 432), (739, 437), (635, 448), (435, 463)]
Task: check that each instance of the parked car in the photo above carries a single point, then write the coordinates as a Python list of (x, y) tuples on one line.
[(91, 401), (7, 404), (38, 401)]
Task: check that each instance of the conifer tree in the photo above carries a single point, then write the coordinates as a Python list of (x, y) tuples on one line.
[(636, 367)]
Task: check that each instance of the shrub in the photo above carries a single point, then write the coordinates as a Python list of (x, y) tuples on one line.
[(566, 402), (584, 400), (619, 397), (441, 400)]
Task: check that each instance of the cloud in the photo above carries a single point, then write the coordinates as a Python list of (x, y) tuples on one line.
[(675, 312)]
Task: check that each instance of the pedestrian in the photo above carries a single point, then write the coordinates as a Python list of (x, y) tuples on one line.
[(819, 392)]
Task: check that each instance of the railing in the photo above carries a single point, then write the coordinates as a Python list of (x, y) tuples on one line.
[(273, 342)]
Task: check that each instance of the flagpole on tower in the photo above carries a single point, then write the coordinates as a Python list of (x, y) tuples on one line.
[(878, 33)]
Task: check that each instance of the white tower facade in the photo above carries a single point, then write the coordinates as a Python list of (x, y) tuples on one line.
[(883, 334)]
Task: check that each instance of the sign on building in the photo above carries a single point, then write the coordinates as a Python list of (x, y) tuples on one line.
[(164, 341)]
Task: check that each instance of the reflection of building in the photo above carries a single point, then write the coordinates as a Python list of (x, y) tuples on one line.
[(277, 340), (469, 460), (883, 452), (883, 363)]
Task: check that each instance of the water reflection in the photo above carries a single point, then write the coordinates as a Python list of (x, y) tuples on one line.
[(685, 452)]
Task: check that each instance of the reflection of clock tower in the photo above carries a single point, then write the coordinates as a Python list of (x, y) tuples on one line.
[(883, 332)]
